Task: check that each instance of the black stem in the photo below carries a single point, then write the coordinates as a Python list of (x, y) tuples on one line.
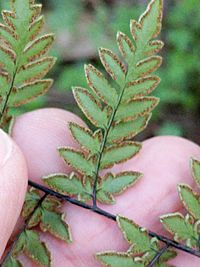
[(11, 249), (158, 255), (72, 200), (110, 216)]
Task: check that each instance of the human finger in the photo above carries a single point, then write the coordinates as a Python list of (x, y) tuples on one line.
[(13, 185)]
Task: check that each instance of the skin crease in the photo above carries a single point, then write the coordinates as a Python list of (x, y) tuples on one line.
[(163, 160)]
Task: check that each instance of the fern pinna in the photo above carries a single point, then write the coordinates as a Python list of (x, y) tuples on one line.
[(23, 57), (118, 110)]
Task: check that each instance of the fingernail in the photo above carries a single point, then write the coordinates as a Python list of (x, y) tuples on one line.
[(5, 148)]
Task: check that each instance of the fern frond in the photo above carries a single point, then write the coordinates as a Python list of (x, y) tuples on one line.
[(119, 110), (186, 228), (23, 59)]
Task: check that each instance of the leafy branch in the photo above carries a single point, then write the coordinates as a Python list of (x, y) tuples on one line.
[(23, 59)]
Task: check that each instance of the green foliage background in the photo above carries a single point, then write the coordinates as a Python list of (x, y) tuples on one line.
[(82, 26)]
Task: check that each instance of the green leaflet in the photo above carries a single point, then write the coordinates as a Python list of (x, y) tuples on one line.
[(147, 66), (153, 47), (32, 209), (149, 25), (134, 234), (38, 48), (28, 92), (34, 70), (181, 228), (113, 65), (4, 79), (35, 218), (105, 197), (64, 184), (20, 246), (31, 201), (91, 107), (150, 21), (126, 46), (54, 223), (7, 58), (100, 86), (112, 185), (7, 35), (196, 171), (12, 262), (190, 200), (51, 203), (136, 107), (36, 250), (22, 56), (140, 87), (124, 130), (114, 259), (119, 153), (87, 194), (116, 184), (88, 141), (36, 27), (77, 160), (9, 19)]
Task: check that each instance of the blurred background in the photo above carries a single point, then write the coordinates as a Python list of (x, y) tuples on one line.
[(81, 26)]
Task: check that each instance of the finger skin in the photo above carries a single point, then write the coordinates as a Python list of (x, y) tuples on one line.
[(164, 161), (13, 185)]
